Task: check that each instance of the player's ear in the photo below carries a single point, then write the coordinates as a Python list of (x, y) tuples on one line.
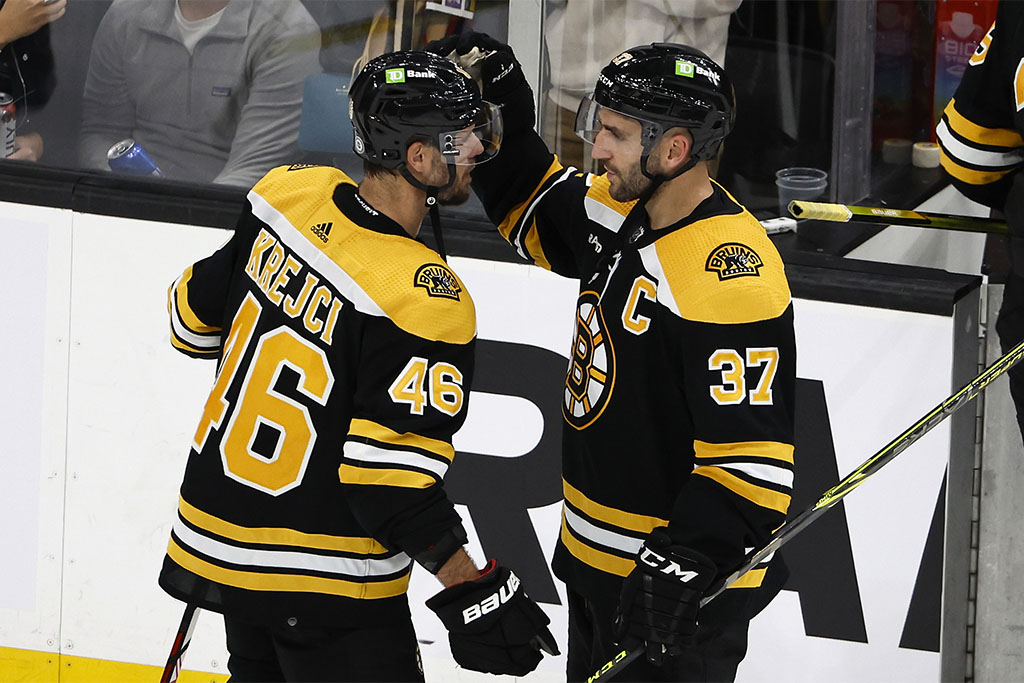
[(416, 157), (676, 146)]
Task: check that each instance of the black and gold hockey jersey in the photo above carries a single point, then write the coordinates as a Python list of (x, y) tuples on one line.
[(981, 127), (345, 355), (678, 400)]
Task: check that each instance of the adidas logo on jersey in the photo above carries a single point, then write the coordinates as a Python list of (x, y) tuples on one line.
[(733, 260), (322, 230), (492, 601), (438, 281)]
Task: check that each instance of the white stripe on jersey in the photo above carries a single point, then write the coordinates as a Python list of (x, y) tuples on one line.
[(290, 559), (524, 219), (403, 459), (291, 237), (649, 256), (595, 534), (775, 475), (199, 341), (974, 156), (603, 214)]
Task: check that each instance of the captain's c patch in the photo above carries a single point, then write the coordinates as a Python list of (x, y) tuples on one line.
[(438, 281), (733, 259)]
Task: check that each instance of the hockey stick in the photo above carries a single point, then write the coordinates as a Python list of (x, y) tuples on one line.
[(787, 531), (845, 213), (181, 641)]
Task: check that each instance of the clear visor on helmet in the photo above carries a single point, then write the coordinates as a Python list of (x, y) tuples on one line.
[(474, 144), (588, 122)]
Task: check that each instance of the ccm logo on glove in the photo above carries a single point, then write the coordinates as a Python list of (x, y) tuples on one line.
[(666, 566), (492, 601)]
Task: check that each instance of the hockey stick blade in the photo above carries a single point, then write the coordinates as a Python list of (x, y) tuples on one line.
[(830, 498), (844, 213), (181, 641)]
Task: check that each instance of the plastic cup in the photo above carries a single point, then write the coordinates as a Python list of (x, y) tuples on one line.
[(799, 182)]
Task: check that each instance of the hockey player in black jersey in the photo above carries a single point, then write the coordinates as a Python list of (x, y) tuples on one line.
[(345, 358), (981, 134), (678, 401)]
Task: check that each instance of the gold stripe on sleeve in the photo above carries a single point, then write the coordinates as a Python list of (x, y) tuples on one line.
[(288, 583), (374, 476), (278, 536), (773, 450), (970, 175), (377, 432), (756, 494), (603, 513), (188, 317), (179, 344), (996, 137)]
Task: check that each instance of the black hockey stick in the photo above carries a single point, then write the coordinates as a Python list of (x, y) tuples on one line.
[(845, 213), (787, 531), (181, 640)]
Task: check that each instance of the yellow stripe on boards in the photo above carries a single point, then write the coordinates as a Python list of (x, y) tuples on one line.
[(287, 583), (372, 430), (31, 666), (277, 536)]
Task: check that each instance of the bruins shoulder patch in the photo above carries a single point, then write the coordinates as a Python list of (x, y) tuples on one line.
[(733, 259), (438, 281)]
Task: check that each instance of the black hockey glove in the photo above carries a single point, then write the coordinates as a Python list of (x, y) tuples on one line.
[(493, 625), (495, 67), (661, 597)]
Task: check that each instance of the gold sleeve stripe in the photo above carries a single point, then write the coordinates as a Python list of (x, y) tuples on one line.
[(514, 214), (606, 562), (534, 248), (288, 583), (277, 536), (969, 175), (995, 137), (381, 476), (773, 450), (377, 432), (188, 317), (183, 346), (767, 498), (603, 513)]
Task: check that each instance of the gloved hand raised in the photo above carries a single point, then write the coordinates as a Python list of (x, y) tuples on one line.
[(661, 597), (493, 625), (496, 69)]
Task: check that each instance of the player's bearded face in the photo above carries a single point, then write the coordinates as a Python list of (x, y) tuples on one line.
[(628, 183), (457, 192)]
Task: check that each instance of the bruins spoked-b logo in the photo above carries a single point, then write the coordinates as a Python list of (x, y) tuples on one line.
[(591, 376), (733, 259), (438, 281)]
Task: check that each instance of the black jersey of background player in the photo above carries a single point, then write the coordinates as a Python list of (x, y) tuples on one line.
[(678, 401), (345, 354), (981, 127)]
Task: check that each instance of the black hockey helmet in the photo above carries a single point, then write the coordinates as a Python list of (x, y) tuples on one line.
[(664, 85), (403, 97)]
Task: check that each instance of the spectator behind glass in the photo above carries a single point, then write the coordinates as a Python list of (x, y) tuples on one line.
[(211, 89), (582, 35), (26, 64)]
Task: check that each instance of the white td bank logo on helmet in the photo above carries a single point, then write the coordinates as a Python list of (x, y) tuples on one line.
[(685, 68), (399, 75), (492, 601)]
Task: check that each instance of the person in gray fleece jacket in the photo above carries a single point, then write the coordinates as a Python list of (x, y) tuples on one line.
[(212, 89)]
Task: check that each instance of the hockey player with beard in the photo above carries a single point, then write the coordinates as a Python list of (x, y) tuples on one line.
[(345, 359), (983, 152), (678, 402)]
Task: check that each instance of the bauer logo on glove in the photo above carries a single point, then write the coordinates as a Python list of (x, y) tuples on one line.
[(493, 601)]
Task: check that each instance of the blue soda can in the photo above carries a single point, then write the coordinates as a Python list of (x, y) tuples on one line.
[(129, 157)]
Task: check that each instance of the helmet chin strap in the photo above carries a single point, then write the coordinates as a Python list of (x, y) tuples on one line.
[(431, 203)]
